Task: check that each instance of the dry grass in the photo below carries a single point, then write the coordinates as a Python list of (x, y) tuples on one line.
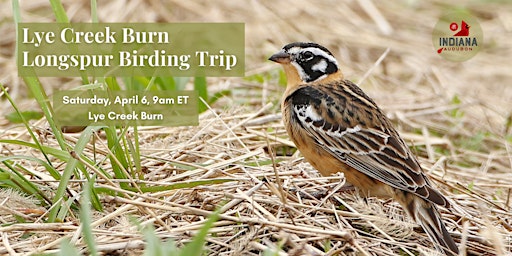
[(466, 146)]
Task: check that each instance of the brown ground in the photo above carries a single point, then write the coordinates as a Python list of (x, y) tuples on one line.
[(457, 116)]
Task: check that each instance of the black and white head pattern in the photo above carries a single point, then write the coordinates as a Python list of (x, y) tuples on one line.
[(312, 61)]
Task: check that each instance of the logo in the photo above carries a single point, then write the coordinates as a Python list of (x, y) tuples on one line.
[(457, 37)]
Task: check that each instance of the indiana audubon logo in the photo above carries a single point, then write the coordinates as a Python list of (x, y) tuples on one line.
[(457, 36)]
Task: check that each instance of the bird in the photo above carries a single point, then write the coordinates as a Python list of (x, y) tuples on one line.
[(464, 29), (338, 128)]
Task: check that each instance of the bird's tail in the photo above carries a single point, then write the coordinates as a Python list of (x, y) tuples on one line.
[(426, 214)]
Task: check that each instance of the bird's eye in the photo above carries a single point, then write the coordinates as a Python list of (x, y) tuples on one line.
[(308, 55)]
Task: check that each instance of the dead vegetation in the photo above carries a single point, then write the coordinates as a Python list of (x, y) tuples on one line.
[(456, 116)]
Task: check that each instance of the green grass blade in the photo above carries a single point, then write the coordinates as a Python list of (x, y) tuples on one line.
[(37, 90), (85, 220), (67, 249), (27, 125), (181, 82), (135, 153), (72, 164), (62, 17), (20, 182), (58, 10), (153, 244), (200, 87), (60, 154), (151, 84), (65, 205), (16, 118), (180, 185), (166, 83), (155, 247), (17, 19), (94, 198), (215, 97), (118, 155), (112, 83), (94, 11), (195, 248)]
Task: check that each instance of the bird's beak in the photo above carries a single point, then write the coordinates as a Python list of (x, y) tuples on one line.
[(280, 57)]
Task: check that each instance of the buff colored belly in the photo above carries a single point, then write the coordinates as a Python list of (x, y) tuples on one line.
[(328, 165)]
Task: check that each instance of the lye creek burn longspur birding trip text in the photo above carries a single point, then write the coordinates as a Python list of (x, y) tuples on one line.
[(190, 49), (338, 128)]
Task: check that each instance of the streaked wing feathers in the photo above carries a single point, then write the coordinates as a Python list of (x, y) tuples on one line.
[(349, 125)]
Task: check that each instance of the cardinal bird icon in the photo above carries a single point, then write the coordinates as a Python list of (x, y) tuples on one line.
[(464, 29), (452, 39)]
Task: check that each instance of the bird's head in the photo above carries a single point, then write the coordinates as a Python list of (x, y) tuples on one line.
[(307, 63), (465, 25)]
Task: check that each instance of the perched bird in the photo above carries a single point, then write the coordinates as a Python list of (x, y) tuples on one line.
[(338, 128)]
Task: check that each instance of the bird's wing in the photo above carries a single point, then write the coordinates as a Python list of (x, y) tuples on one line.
[(348, 124)]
